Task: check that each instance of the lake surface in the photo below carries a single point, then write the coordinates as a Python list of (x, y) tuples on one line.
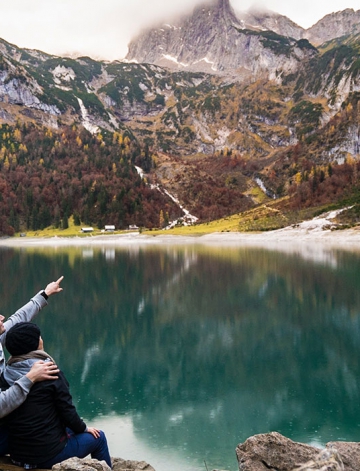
[(182, 352)]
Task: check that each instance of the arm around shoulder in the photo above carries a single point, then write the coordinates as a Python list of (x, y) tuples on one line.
[(16, 394), (13, 397)]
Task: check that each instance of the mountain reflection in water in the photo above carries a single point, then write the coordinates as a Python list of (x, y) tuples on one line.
[(182, 352)]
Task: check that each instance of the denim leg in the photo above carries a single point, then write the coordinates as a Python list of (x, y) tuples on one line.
[(4, 443), (80, 445)]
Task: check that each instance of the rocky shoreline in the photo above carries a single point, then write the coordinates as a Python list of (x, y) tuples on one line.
[(85, 464), (262, 452)]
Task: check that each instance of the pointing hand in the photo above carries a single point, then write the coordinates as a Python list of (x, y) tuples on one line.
[(54, 287)]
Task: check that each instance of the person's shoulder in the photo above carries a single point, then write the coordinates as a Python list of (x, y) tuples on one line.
[(56, 383), (61, 381)]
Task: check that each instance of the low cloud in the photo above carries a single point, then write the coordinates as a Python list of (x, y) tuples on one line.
[(103, 29)]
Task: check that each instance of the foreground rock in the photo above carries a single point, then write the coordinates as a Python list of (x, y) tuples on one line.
[(273, 451), (85, 464), (88, 464), (124, 465), (77, 464), (327, 460)]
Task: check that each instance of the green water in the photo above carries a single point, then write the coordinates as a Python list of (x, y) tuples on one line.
[(180, 353)]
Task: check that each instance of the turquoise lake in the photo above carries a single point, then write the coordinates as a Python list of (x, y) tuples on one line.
[(181, 352)]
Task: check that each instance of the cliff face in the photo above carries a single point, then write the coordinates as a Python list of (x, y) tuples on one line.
[(201, 37), (214, 40)]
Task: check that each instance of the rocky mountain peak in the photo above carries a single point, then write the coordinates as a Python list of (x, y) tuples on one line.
[(215, 11), (262, 19), (334, 25), (224, 7), (214, 40), (192, 42)]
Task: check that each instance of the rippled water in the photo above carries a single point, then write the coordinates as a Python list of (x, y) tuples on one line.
[(180, 353)]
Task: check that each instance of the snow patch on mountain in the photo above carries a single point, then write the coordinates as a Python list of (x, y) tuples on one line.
[(63, 74), (86, 122)]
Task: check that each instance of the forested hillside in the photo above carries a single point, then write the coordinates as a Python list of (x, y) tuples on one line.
[(47, 176)]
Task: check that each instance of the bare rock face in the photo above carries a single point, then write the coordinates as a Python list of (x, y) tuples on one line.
[(215, 41), (188, 40), (333, 26), (272, 451)]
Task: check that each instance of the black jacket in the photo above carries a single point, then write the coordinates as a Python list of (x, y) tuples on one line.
[(37, 428)]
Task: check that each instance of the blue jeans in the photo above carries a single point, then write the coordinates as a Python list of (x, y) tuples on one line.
[(80, 445), (4, 442)]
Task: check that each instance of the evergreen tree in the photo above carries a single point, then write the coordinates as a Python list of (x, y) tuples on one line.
[(65, 221), (77, 221)]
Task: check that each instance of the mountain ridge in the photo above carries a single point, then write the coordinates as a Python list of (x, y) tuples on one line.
[(334, 25), (164, 45)]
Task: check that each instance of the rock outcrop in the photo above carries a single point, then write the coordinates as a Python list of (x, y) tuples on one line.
[(276, 452)]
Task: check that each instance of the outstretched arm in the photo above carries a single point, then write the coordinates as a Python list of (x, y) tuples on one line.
[(13, 397), (29, 310)]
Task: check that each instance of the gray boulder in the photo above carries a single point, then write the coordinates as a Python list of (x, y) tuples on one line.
[(273, 451), (84, 464), (327, 460), (127, 465), (88, 464), (349, 452)]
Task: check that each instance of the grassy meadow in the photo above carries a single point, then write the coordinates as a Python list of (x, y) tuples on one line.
[(272, 215)]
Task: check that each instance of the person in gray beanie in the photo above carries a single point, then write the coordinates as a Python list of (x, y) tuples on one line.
[(22, 338), (40, 371), (46, 429)]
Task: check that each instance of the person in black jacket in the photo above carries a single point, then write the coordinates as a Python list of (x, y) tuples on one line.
[(46, 429)]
